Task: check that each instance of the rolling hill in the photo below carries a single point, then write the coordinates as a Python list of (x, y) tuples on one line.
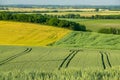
[(63, 54), (89, 40)]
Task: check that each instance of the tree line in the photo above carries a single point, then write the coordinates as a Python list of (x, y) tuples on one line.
[(110, 31), (74, 16), (42, 19), (77, 16)]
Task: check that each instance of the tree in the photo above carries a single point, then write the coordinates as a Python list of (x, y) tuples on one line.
[(97, 9), (53, 21)]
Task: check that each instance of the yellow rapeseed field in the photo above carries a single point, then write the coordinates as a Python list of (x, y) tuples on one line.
[(28, 34)]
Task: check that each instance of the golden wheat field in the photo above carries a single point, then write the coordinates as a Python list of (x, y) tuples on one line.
[(18, 33)]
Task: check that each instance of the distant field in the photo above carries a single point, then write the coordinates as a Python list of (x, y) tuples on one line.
[(50, 59), (46, 9), (64, 11), (16, 33), (89, 40), (88, 13), (95, 25)]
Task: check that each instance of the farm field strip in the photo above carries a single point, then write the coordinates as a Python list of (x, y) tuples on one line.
[(40, 57), (97, 24), (15, 56), (28, 34), (46, 9), (47, 58), (86, 13), (89, 40)]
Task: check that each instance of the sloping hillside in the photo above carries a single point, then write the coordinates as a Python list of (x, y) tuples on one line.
[(16, 33), (90, 40)]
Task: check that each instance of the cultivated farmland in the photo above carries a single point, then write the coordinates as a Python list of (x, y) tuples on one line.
[(96, 25), (86, 13), (64, 11), (89, 40), (50, 63), (47, 59), (40, 52), (69, 74), (16, 33)]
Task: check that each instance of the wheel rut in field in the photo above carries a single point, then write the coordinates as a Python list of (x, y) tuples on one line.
[(27, 50), (107, 58), (68, 59), (102, 58)]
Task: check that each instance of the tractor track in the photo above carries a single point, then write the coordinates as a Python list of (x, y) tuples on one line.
[(68, 58), (107, 58), (102, 58), (27, 50), (65, 60), (71, 59)]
